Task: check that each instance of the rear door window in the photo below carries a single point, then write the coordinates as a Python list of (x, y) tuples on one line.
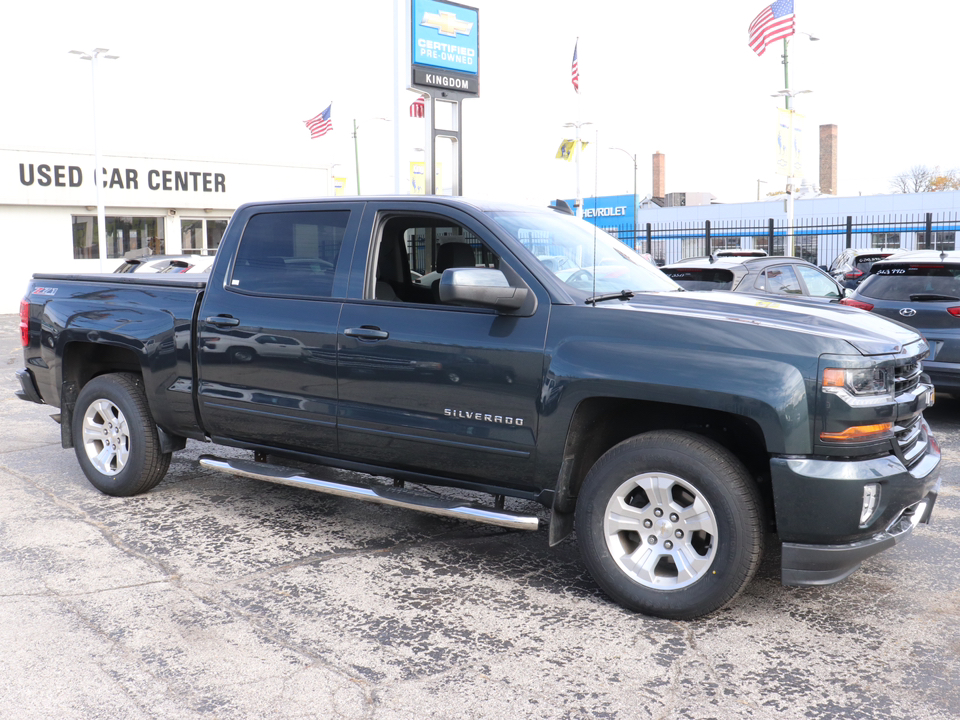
[(780, 280), (701, 278), (290, 253), (913, 282)]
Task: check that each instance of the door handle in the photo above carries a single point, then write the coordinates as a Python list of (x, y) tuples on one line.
[(221, 321), (367, 333)]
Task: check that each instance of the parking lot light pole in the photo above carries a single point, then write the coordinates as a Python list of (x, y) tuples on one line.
[(93, 56), (634, 158), (789, 94), (578, 205)]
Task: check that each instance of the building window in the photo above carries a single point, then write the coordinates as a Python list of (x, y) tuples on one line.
[(945, 240), (126, 237), (762, 242), (885, 240), (201, 237)]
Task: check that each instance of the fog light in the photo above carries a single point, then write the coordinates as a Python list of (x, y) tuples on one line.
[(871, 494)]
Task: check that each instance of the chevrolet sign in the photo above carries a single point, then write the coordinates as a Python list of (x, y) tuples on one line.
[(445, 46)]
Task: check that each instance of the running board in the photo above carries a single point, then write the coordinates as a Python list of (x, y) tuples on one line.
[(373, 493)]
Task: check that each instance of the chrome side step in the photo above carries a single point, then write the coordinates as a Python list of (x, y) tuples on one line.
[(373, 493)]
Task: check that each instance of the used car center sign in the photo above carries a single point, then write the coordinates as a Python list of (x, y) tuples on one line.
[(30, 177), (445, 50)]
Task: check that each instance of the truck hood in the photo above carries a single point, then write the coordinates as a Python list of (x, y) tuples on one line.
[(869, 334)]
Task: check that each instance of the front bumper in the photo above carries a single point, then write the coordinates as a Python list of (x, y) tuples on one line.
[(818, 503)]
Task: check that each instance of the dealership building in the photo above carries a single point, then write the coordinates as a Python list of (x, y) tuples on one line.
[(48, 209)]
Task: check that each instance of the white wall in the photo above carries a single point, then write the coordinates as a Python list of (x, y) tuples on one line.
[(36, 233)]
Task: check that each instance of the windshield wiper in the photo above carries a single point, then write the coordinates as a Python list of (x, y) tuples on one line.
[(932, 297), (622, 295)]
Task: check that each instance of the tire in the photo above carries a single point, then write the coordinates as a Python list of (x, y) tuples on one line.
[(669, 524), (115, 438), (242, 355)]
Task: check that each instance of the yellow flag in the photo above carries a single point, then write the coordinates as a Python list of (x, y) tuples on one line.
[(566, 150), (583, 145)]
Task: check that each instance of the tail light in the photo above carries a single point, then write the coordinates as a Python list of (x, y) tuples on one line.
[(955, 311), (24, 323), (858, 304), (853, 274)]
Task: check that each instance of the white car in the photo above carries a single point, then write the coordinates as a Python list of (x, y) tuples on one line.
[(167, 264)]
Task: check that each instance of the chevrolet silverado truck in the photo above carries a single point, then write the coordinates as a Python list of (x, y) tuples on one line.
[(439, 342)]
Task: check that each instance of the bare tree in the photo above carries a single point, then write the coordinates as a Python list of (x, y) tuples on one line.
[(920, 178)]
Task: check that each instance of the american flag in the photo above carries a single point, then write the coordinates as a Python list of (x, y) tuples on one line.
[(416, 108), (321, 124), (775, 22), (575, 69)]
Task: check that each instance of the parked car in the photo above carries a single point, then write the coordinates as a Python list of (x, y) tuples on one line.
[(788, 276), (853, 265), (740, 252), (166, 264), (920, 289)]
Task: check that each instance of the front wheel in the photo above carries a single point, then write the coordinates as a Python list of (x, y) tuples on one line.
[(115, 438), (669, 524)]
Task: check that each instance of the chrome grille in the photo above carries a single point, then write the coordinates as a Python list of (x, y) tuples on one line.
[(907, 375), (911, 439)]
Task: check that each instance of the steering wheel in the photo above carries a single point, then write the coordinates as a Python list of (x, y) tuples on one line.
[(580, 275)]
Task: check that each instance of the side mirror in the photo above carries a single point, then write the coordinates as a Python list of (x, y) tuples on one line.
[(480, 287)]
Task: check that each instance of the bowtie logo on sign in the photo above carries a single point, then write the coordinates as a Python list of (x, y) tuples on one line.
[(446, 23)]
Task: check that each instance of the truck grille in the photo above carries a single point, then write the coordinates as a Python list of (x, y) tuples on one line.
[(911, 439), (907, 376)]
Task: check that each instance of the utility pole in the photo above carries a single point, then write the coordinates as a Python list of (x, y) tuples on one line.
[(93, 56), (356, 155)]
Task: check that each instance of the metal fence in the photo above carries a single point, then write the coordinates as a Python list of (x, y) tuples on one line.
[(818, 240)]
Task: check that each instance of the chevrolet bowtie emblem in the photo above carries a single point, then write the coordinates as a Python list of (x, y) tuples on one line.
[(446, 23)]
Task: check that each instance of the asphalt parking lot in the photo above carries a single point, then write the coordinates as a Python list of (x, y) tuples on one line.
[(219, 597)]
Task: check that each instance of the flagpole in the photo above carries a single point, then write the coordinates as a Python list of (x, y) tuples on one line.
[(786, 77), (576, 144), (788, 250)]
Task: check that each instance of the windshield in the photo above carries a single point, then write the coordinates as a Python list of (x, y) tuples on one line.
[(565, 246)]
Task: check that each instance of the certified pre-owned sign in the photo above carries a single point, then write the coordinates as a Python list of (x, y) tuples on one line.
[(445, 46)]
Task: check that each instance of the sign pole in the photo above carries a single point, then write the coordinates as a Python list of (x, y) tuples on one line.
[(444, 67)]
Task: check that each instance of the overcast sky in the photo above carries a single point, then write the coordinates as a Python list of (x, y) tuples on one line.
[(234, 82)]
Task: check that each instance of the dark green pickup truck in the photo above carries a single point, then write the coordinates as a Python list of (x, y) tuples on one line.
[(510, 351)]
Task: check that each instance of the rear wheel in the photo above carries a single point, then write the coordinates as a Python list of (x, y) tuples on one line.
[(115, 438), (669, 524)]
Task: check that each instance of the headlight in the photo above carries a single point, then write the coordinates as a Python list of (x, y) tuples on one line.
[(859, 386)]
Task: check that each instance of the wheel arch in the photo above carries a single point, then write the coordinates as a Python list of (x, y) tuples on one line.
[(81, 362), (600, 423)]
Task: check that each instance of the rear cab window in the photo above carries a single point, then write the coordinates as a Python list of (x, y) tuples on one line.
[(913, 281), (701, 278)]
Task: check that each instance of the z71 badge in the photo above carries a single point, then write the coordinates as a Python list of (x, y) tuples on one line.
[(44, 291)]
